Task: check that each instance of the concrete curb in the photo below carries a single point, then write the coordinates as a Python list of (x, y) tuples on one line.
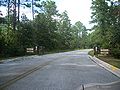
[(107, 66), (100, 86)]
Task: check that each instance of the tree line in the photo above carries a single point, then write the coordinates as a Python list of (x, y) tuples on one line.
[(106, 16), (48, 28)]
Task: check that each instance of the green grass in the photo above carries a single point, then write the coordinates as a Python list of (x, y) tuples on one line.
[(6, 57), (46, 52), (91, 53), (108, 59)]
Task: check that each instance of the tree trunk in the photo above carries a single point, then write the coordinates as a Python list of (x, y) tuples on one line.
[(119, 11), (18, 14), (8, 14), (14, 16), (18, 11), (33, 9)]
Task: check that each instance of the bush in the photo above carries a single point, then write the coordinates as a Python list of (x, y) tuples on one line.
[(115, 52)]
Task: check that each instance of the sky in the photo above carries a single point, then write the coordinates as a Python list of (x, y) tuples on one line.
[(78, 10)]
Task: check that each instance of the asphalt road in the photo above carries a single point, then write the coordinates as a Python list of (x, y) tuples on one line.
[(65, 71)]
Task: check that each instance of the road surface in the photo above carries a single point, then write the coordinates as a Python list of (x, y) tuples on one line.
[(59, 71)]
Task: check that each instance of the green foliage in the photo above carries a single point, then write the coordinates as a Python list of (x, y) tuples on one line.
[(8, 40), (64, 30), (115, 52), (79, 34), (48, 29), (107, 19), (2, 20)]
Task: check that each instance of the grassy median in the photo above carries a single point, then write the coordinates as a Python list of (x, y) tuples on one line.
[(106, 58)]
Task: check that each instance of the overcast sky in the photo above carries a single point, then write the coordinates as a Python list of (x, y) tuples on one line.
[(78, 10)]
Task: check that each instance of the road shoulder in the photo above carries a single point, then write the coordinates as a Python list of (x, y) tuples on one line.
[(111, 68)]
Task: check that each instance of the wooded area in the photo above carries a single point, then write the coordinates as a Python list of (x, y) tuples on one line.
[(54, 31), (106, 16), (48, 28)]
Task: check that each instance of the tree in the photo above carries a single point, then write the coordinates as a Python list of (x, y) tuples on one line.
[(48, 29), (107, 19), (45, 26), (80, 35), (64, 30), (32, 4)]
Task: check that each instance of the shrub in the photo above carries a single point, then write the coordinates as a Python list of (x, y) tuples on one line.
[(115, 52)]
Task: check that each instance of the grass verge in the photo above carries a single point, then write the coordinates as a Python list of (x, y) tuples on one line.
[(111, 60), (108, 59), (45, 52), (91, 53), (6, 57)]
